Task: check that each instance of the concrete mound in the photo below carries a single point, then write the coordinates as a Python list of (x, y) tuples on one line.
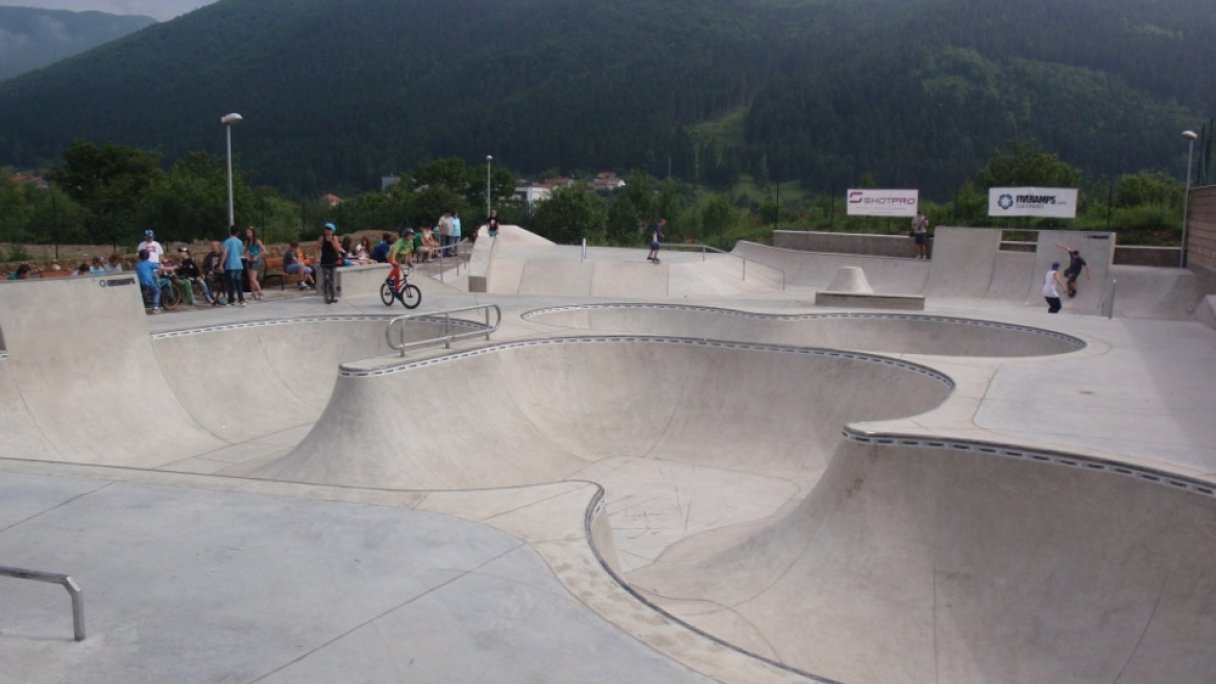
[(542, 411), (920, 564), (850, 279)]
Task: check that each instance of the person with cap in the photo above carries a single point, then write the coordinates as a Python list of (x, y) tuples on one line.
[(148, 275), (330, 251), (155, 250), (233, 268), (187, 271)]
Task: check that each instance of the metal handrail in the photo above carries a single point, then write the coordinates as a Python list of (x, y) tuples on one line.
[(54, 578), (448, 336), (1108, 300), (706, 248)]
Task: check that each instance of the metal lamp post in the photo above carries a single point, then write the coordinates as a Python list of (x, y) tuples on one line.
[(1186, 200), (229, 121), (489, 158)]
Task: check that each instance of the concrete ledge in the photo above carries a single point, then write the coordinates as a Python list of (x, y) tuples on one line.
[(1136, 255), (847, 243), (870, 301), (481, 260), (361, 280)]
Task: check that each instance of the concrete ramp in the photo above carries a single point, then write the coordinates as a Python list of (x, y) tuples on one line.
[(1154, 292), (886, 275), (90, 384), (963, 263), (931, 565), (543, 410), (1013, 278)]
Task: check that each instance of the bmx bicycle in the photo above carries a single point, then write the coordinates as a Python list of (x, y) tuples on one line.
[(400, 289)]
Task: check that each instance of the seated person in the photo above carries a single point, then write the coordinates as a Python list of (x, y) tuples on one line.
[(363, 254), (148, 273), (347, 256), (211, 270), (97, 268), (22, 273), (430, 244), (81, 270), (380, 253), (114, 265), (188, 273), (294, 261)]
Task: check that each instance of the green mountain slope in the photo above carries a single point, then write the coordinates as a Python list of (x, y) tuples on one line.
[(338, 92), (32, 38)]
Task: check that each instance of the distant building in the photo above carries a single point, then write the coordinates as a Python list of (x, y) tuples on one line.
[(331, 199), (530, 194), (607, 181), (26, 179), (387, 182)]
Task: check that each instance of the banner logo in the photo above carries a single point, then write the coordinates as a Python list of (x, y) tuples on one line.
[(872, 202), (1042, 202)]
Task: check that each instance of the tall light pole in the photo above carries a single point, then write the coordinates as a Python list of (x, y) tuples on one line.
[(1186, 200), (489, 158), (229, 121)]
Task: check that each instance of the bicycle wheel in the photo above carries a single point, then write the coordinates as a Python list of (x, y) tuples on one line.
[(386, 293), (170, 297), (411, 296)]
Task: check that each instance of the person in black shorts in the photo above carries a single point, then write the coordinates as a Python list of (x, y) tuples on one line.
[(1075, 265), (656, 236)]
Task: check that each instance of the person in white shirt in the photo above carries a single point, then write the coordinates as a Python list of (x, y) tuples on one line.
[(154, 248)]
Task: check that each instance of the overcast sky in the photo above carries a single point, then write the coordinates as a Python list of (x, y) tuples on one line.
[(157, 9)]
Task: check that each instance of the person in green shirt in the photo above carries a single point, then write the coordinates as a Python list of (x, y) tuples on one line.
[(402, 251)]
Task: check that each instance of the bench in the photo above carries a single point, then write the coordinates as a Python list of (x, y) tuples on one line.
[(274, 269)]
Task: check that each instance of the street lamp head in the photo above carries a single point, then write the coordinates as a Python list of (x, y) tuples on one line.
[(231, 119), (489, 157), (1190, 135)]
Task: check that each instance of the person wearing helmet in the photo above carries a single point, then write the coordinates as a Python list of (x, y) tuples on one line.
[(330, 251), (402, 252), (155, 250)]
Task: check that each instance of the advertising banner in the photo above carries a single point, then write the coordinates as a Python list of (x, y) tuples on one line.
[(1048, 202), (871, 202)]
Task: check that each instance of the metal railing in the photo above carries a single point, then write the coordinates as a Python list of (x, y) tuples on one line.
[(705, 249), (54, 578), (457, 255), (400, 344), (1108, 300)]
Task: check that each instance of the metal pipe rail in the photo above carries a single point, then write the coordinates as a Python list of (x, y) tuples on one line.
[(54, 578), (706, 248), (448, 336)]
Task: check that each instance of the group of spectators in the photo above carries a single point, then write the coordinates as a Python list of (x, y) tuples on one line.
[(227, 268)]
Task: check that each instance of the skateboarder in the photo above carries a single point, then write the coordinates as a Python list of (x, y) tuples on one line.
[(1051, 292), (1075, 265), (656, 235)]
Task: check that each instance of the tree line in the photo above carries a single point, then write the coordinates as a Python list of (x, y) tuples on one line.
[(108, 194)]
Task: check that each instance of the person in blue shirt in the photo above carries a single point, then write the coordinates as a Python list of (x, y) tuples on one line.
[(380, 253), (455, 232), (230, 260), (148, 273)]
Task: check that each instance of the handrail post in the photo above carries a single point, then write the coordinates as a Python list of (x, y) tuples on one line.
[(54, 578), (584, 250)]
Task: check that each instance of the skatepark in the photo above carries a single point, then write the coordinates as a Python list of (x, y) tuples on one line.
[(685, 472)]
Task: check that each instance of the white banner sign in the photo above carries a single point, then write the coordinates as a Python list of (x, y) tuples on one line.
[(871, 202), (1053, 202)]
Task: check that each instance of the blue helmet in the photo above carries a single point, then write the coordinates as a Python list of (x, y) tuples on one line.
[(330, 226), (148, 233)]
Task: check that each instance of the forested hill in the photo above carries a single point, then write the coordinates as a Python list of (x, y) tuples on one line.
[(918, 93), (32, 38)]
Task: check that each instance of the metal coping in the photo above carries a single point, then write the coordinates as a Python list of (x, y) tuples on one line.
[(305, 319), (1047, 457), (648, 339), (595, 507), (1077, 342)]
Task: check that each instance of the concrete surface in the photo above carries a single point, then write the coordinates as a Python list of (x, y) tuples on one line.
[(1004, 496)]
